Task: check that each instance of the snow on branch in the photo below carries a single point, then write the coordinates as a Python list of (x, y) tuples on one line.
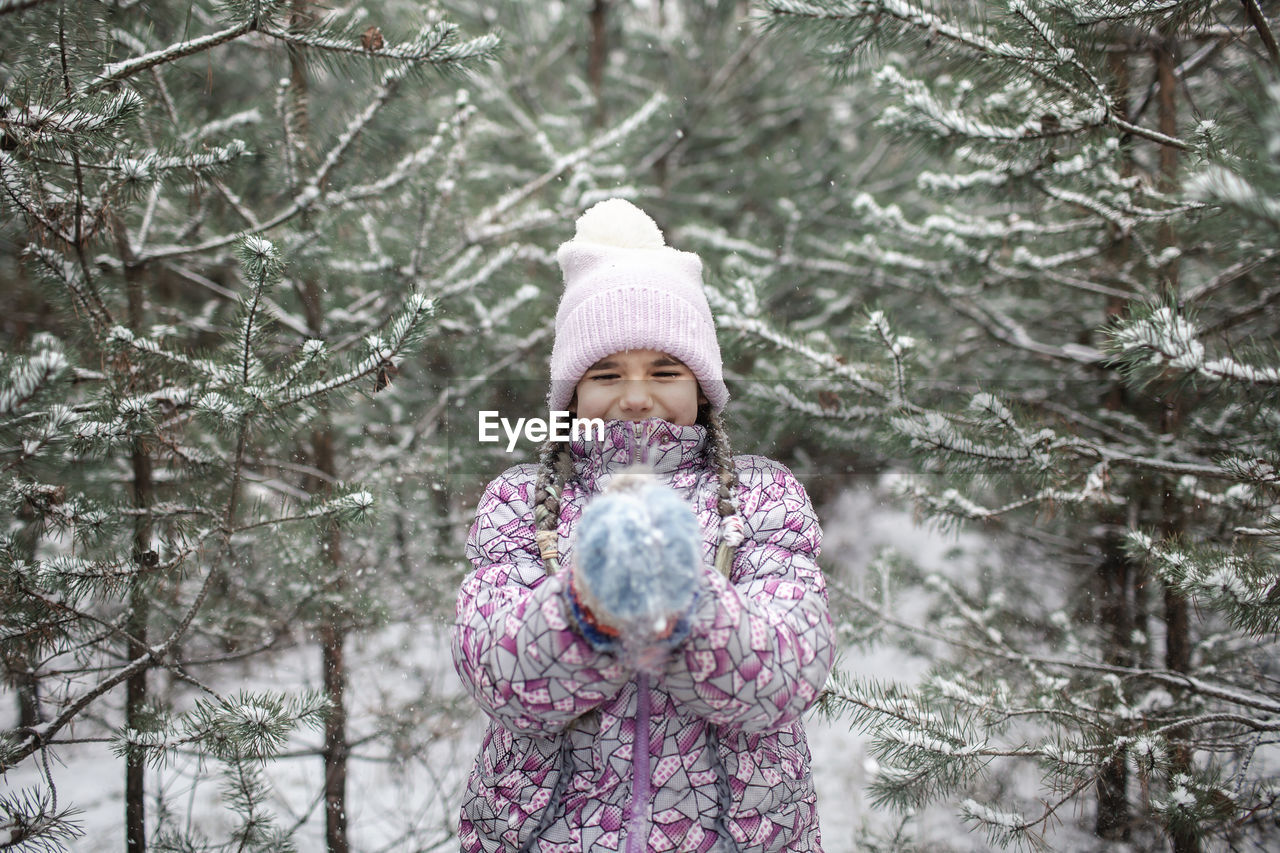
[(387, 88), (222, 125), (942, 120), (1059, 52), (1238, 585), (824, 364), (936, 432), (124, 337), (1222, 186), (486, 219), (717, 239), (908, 16), (830, 410), (1002, 827), (27, 376), (953, 226), (400, 335), (149, 166), (1103, 11), (84, 116), (453, 281), (1165, 339), (408, 164), (437, 46), (116, 71), (1007, 330)]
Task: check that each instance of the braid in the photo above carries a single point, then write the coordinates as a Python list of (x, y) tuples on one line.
[(727, 499), (557, 466)]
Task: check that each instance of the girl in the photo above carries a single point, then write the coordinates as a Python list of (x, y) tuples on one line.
[(643, 645)]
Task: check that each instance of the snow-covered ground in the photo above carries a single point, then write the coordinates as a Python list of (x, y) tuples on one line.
[(857, 526), (406, 801)]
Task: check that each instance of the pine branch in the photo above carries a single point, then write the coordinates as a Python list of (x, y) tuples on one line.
[(484, 224), (117, 71), (437, 46), (1105, 11), (1169, 678), (386, 90), (10, 6), (1056, 48), (1253, 12), (278, 313), (1006, 330), (314, 194), (1250, 723), (407, 166), (1150, 135), (404, 330), (1231, 274), (826, 363), (1165, 339), (907, 17), (36, 738)]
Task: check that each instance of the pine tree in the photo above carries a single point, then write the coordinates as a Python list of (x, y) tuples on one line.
[(1077, 356), (245, 219), (145, 432), (745, 155)]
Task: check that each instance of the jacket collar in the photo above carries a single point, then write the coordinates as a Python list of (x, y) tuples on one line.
[(663, 446)]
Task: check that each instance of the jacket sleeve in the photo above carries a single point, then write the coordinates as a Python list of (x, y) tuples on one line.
[(512, 643), (761, 643)]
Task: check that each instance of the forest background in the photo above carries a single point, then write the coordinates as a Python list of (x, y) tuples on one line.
[(1012, 262)]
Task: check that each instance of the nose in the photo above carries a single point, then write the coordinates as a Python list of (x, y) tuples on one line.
[(635, 397)]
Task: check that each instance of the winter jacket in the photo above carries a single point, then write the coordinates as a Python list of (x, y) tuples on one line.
[(759, 651)]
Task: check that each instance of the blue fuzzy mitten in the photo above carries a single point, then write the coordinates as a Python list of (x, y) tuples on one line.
[(637, 564)]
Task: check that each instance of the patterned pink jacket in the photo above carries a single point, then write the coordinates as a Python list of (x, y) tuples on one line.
[(727, 745)]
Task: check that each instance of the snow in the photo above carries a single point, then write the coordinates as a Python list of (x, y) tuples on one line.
[(27, 376), (407, 798), (857, 526), (984, 814)]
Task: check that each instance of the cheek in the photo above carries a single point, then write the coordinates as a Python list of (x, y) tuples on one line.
[(682, 403), (591, 402)]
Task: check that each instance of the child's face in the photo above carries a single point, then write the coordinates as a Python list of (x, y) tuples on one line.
[(636, 384)]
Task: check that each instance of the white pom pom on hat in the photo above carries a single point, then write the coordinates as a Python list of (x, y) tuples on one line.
[(618, 222), (625, 289)]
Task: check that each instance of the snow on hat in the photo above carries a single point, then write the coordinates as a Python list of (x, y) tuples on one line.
[(625, 289)]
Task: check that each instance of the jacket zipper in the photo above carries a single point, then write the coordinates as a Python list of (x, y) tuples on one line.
[(641, 774), (640, 437)]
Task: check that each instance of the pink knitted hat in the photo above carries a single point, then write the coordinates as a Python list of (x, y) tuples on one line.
[(624, 288)]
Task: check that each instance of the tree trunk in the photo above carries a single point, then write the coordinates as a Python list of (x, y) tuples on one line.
[(1177, 617), (20, 651), (598, 55), (333, 625), (332, 628), (335, 740), (1167, 105), (1114, 587), (144, 560), (333, 636), (1115, 581), (27, 687), (136, 626)]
